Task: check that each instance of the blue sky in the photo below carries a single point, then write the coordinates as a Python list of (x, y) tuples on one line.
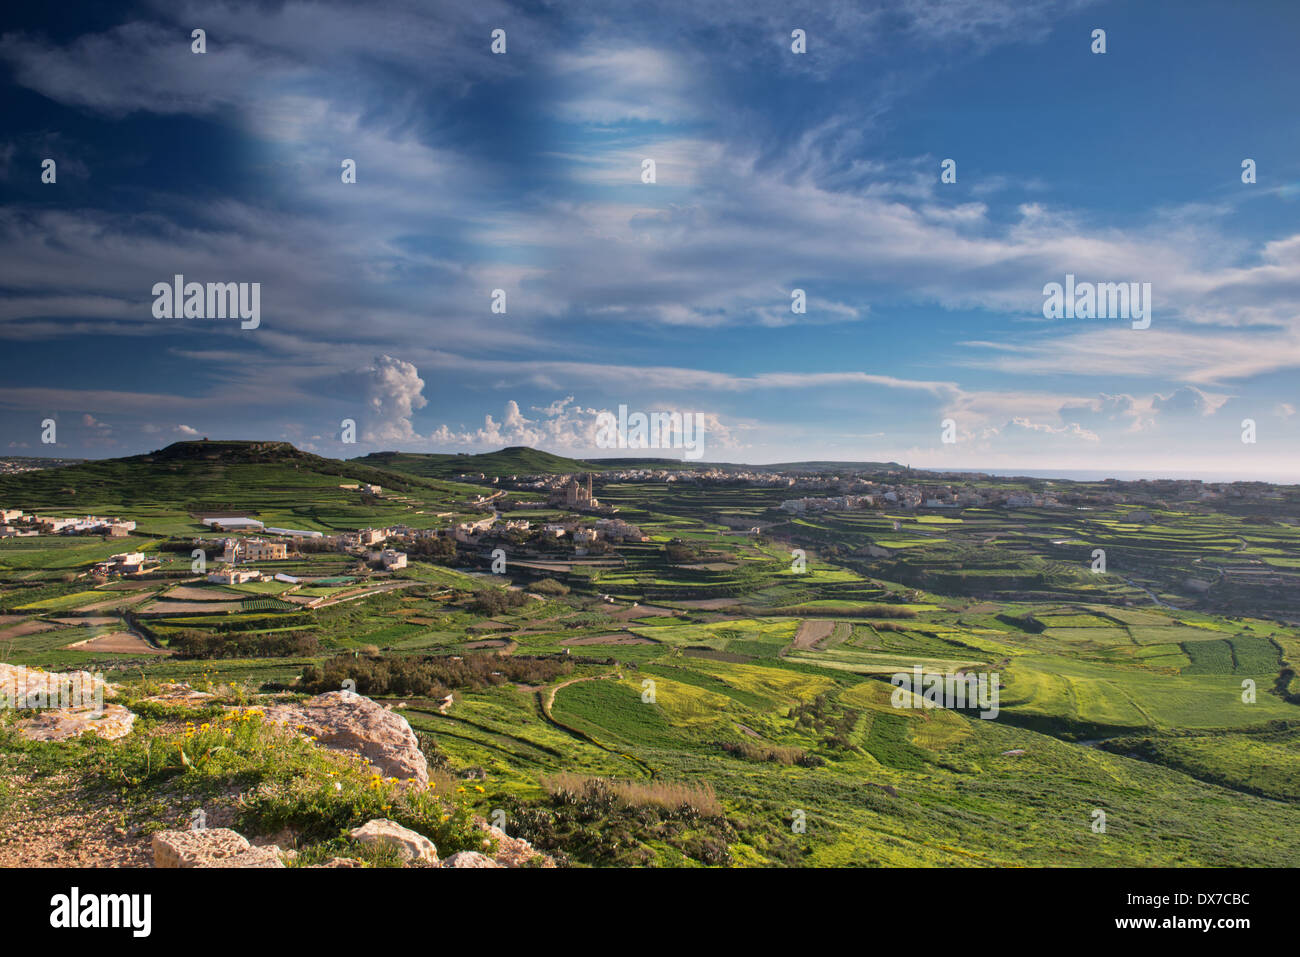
[(775, 171)]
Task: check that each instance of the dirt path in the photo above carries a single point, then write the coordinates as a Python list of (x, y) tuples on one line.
[(546, 700), (390, 586), (549, 700), (1153, 596)]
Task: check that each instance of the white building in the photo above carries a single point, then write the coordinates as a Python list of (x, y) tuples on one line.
[(392, 558), (234, 576), (615, 529), (253, 550), (123, 563), (232, 523)]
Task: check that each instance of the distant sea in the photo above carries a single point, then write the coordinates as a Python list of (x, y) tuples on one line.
[(1091, 475)]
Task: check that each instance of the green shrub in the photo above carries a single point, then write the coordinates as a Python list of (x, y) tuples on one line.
[(431, 675)]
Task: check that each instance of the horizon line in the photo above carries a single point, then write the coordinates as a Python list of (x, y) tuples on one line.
[(1155, 473)]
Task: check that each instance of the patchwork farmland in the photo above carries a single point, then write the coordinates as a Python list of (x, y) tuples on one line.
[(732, 645)]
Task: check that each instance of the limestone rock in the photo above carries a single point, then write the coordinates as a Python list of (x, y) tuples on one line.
[(469, 859), (514, 851), (64, 704), (253, 857), (181, 694), (24, 682), (204, 847), (346, 721), (59, 724), (409, 845)]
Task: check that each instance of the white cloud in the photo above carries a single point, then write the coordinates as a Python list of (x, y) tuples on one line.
[(393, 392)]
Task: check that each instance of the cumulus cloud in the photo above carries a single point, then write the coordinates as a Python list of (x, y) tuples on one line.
[(558, 426), (1025, 426), (394, 391), (566, 427), (1189, 400)]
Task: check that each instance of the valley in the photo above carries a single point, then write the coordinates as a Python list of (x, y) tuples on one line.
[(692, 694)]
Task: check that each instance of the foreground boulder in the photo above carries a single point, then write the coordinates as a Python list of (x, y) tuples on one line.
[(59, 724), (19, 681), (66, 704), (346, 721), (409, 845), (469, 859), (210, 847)]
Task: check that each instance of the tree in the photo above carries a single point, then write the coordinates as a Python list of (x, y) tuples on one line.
[(678, 553)]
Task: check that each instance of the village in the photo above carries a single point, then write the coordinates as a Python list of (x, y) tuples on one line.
[(241, 546), (239, 549)]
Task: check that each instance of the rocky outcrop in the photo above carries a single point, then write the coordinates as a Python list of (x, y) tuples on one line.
[(65, 704), (469, 859), (410, 846), (60, 724), (180, 694), (33, 683), (211, 847), (346, 721), (513, 851), (255, 857)]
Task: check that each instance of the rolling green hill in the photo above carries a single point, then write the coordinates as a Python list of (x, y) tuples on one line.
[(272, 477), (522, 460), (516, 460), (842, 467)]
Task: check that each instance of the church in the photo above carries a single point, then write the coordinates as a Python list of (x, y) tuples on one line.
[(573, 494)]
